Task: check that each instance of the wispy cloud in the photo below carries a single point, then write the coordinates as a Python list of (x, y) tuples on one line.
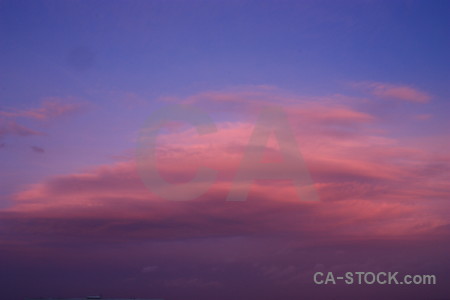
[(393, 91), (11, 127), (50, 108)]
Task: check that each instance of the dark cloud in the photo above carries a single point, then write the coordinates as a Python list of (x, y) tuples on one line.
[(37, 149), (11, 127)]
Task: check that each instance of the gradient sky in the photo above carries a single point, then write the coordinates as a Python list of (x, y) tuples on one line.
[(365, 85)]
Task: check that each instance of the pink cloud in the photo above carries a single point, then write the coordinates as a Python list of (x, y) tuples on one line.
[(365, 182), (384, 206), (51, 107), (370, 185), (11, 127), (393, 91)]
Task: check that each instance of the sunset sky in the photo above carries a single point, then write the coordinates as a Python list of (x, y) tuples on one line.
[(364, 86)]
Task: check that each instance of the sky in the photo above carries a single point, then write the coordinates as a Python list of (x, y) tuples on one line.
[(363, 87)]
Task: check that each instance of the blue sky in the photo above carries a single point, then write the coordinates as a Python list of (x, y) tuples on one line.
[(166, 48)]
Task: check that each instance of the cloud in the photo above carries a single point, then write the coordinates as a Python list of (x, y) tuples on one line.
[(366, 180), (369, 186), (11, 127), (51, 107), (37, 149), (383, 207), (331, 113), (393, 91)]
